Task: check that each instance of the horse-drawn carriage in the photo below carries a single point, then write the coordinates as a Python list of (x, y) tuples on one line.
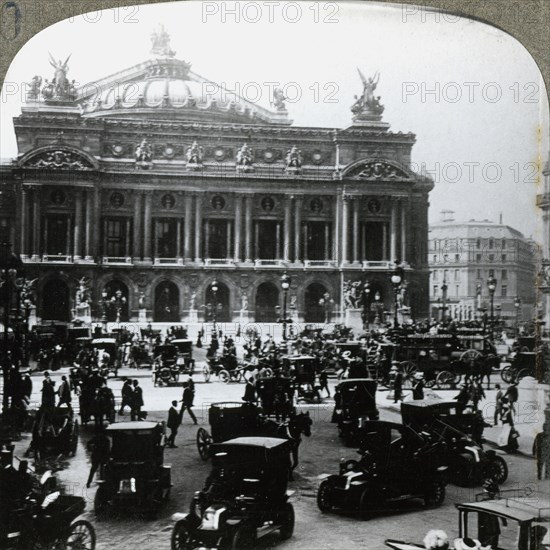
[(303, 370), (165, 368), (524, 363), (354, 403), (55, 431), (243, 498), (107, 351), (276, 395), (352, 359), (184, 360), (468, 461), (135, 476)]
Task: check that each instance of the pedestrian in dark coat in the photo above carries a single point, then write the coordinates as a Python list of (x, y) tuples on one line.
[(127, 393), (137, 401), (174, 421), (541, 451), (398, 386), (418, 387), (64, 393), (512, 393), (26, 386), (187, 402), (249, 392), (323, 382), (498, 404), (48, 391), (99, 445)]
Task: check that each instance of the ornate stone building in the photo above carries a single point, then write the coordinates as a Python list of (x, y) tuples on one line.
[(543, 279), (155, 181)]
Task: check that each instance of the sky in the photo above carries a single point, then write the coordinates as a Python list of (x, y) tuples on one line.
[(472, 94)]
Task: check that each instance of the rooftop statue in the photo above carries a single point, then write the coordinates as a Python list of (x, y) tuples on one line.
[(160, 43), (367, 103), (59, 89), (278, 100)]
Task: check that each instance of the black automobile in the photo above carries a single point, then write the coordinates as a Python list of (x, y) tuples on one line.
[(135, 476), (469, 463), (303, 370), (244, 497), (165, 368), (396, 463), (354, 402), (184, 360)]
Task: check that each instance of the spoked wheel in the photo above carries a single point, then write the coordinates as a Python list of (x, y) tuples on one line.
[(244, 538), (324, 495), (204, 440), (224, 376), (236, 375), (499, 469), (470, 355), (181, 536), (365, 504), (81, 536), (206, 373), (408, 368), (522, 374), (446, 380), (508, 374), (268, 372), (287, 521), (435, 494)]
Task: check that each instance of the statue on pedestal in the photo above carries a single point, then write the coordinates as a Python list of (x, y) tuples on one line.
[(244, 302), (244, 159), (294, 159), (278, 100), (194, 156), (367, 103), (193, 301), (141, 300), (144, 154)]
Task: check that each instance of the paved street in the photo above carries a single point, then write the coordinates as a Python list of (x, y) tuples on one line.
[(319, 454)]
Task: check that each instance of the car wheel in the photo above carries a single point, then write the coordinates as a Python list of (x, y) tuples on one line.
[(445, 380), (499, 469), (81, 536), (287, 522), (324, 495), (224, 376), (181, 537), (244, 538), (507, 374), (365, 505), (203, 443), (408, 368), (435, 495)]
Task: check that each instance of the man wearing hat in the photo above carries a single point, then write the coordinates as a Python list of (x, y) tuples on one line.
[(418, 387), (48, 391), (397, 382)]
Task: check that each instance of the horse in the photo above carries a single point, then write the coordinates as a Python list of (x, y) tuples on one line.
[(291, 430)]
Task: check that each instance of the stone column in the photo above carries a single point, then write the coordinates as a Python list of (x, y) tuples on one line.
[(88, 236), (393, 232), (337, 230), (77, 250), (256, 240), (248, 229), (128, 244), (155, 238), (96, 225), (138, 205), (277, 240), (238, 224), (356, 236), (403, 232), (24, 218), (286, 238), (327, 241), (198, 228), (306, 248), (206, 239), (36, 223), (228, 240), (345, 228), (147, 222), (385, 241), (178, 239), (297, 228), (187, 229), (67, 237)]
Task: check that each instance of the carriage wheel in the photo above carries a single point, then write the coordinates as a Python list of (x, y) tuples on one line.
[(206, 373), (268, 372), (470, 355), (324, 495), (446, 380), (507, 374), (287, 521), (181, 536), (81, 536), (244, 537), (521, 374), (408, 368), (224, 376), (204, 440), (435, 494), (499, 469)]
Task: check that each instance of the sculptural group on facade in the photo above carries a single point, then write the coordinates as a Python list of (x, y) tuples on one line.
[(294, 159), (160, 43), (244, 158), (278, 100), (353, 294), (83, 292), (367, 103), (144, 154), (59, 88), (377, 170), (194, 156)]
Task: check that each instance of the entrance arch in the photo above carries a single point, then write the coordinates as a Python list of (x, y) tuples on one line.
[(167, 299), (56, 303), (267, 300), (314, 312), (117, 295), (220, 301)]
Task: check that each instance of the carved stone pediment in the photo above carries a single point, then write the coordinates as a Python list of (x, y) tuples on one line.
[(57, 158), (377, 170)]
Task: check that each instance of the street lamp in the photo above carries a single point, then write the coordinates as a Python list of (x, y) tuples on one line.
[(377, 307), (517, 305), (10, 263), (396, 280), (104, 309), (492, 285), (366, 304), (285, 285), (214, 288), (444, 289)]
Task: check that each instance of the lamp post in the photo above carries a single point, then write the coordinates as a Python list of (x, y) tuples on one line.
[(285, 285), (396, 280), (366, 304), (214, 288), (377, 308), (517, 305), (104, 303), (10, 263), (492, 285), (444, 289)]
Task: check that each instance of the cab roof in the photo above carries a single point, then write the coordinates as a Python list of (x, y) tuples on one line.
[(132, 426)]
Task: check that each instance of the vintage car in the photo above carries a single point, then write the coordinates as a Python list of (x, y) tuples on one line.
[(352, 359), (227, 420), (523, 363), (245, 497), (107, 355), (354, 402), (44, 517), (510, 520), (396, 463), (135, 477), (303, 370), (165, 368), (185, 361), (55, 431), (462, 432)]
